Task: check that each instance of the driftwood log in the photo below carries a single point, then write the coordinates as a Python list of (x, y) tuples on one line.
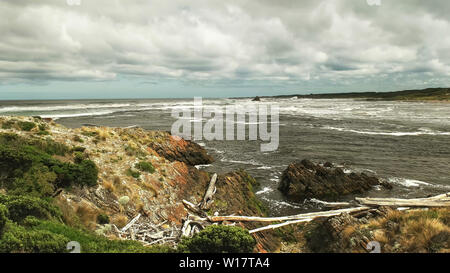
[(442, 200), (208, 199), (304, 216), (279, 225)]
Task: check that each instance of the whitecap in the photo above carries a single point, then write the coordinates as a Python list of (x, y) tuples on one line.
[(417, 133), (408, 182), (264, 190), (201, 166)]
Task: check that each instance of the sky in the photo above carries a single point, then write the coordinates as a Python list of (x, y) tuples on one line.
[(72, 49)]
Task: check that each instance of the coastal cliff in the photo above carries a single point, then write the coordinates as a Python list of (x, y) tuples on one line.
[(134, 172)]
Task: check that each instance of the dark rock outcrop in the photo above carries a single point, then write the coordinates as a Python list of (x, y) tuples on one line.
[(305, 179), (256, 99)]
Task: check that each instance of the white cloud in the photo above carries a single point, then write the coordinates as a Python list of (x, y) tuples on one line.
[(286, 41)]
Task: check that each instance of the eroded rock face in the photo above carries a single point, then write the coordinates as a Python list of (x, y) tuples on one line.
[(302, 180), (178, 149)]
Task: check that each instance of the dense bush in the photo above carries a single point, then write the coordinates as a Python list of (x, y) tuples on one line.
[(3, 218), (219, 239), (133, 173), (29, 166), (26, 125), (20, 207), (103, 219), (145, 167), (38, 181), (19, 239), (83, 173)]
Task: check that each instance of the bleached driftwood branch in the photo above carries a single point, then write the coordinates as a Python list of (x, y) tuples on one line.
[(279, 225), (193, 207), (208, 199), (442, 200), (125, 228), (303, 216)]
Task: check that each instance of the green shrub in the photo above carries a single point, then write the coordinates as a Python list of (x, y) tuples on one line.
[(83, 173), (43, 127), (8, 124), (78, 157), (26, 125), (19, 240), (103, 219), (3, 218), (145, 166), (45, 145), (18, 160), (19, 207), (219, 239), (78, 149), (133, 173), (38, 182), (77, 138), (43, 133)]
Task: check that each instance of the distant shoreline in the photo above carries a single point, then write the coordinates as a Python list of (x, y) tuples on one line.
[(437, 95)]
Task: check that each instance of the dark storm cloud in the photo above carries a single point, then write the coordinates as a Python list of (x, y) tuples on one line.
[(275, 41)]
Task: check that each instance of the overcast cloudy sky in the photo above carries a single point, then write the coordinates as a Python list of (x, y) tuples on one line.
[(148, 48)]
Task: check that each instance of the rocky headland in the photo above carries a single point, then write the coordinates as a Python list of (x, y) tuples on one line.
[(133, 190)]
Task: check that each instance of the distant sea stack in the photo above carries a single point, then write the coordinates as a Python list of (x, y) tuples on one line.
[(256, 99)]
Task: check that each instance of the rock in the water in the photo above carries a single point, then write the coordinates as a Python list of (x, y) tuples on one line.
[(305, 179), (257, 99)]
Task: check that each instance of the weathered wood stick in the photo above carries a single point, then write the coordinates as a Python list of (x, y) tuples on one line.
[(186, 228), (442, 200), (285, 218), (192, 207), (209, 192), (125, 228), (279, 225)]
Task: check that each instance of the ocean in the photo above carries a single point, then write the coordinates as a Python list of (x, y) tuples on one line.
[(406, 143)]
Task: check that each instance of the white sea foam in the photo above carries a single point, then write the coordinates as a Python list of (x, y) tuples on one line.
[(61, 107), (69, 115), (202, 166), (249, 162), (264, 190), (408, 182), (417, 133), (264, 168)]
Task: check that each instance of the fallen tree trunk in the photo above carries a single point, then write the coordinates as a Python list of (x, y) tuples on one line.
[(209, 193), (304, 216), (442, 200)]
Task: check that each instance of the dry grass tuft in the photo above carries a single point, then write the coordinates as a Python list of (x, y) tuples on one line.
[(120, 220), (87, 215), (109, 186)]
